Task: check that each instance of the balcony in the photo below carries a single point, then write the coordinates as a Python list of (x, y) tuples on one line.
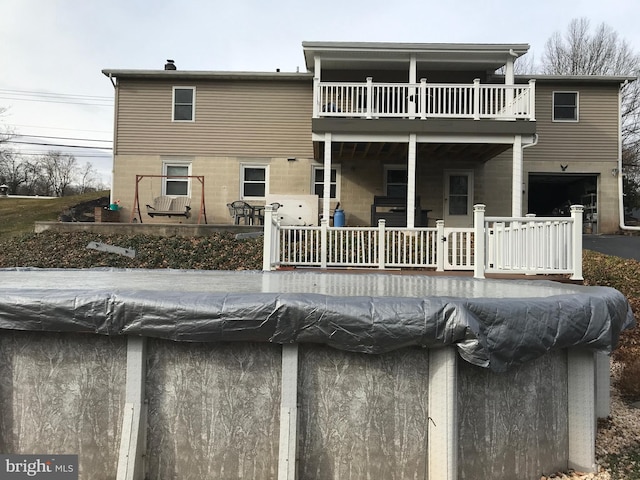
[(424, 100)]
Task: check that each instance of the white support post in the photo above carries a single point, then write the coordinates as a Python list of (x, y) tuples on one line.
[(441, 246), (267, 246), (532, 100), (287, 465), (326, 181), (412, 100), (442, 441), (132, 438), (382, 244), (411, 181), (516, 178), (324, 241), (576, 217), (479, 241), (369, 97), (581, 410), (603, 385), (476, 99), (423, 98)]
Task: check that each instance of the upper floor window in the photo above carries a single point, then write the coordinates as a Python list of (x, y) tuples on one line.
[(395, 181), (254, 181), (176, 182), (318, 183), (565, 106), (184, 103)]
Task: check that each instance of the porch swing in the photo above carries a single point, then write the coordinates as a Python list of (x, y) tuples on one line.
[(166, 205)]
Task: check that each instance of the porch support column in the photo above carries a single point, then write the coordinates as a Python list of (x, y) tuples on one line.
[(413, 99), (411, 181), (316, 86), (326, 186), (508, 71), (517, 178)]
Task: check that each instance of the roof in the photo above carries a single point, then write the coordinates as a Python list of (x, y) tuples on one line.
[(579, 78), (205, 75), (441, 56)]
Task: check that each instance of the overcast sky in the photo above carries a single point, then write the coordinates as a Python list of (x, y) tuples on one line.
[(52, 51)]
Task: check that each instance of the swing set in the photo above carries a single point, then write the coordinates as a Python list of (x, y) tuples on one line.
[(166, 205)]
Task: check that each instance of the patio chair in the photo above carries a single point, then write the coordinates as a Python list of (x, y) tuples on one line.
[(240, 210)]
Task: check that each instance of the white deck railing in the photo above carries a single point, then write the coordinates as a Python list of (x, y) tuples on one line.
[(522, 245), (424, 100)]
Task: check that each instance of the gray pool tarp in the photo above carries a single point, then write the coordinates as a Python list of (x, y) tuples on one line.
[(493, 323)]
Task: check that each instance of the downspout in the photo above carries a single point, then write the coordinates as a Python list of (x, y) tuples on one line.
[(620, 176), (115, 137), (532, 144)]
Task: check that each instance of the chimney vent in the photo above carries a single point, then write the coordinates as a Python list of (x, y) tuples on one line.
[(169, 65)]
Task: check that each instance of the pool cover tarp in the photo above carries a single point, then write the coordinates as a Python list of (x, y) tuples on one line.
[(493, 323)]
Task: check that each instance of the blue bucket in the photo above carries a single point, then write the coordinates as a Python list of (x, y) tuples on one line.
[(338, 218)]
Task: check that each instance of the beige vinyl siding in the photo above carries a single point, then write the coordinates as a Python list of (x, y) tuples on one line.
[(235, 118), (594, 137)]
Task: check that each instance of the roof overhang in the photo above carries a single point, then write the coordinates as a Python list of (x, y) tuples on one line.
[(433, 56), (205, 75), (594, 79)]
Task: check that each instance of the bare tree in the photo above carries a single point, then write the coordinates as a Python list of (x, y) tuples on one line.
[(12, 170), (87, 178), (59, 171)]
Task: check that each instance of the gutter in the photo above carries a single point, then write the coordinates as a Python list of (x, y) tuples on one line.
[(620, 175)]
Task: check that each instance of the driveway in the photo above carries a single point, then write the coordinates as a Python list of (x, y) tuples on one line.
[(624, 246)]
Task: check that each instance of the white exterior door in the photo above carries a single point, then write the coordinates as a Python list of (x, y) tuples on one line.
[(458, 198)]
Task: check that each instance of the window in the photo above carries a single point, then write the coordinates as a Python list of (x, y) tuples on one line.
[(565, 106), (176, 186), (254, 181), (458, 190), (395, 181), (184, 101), (318, 182)]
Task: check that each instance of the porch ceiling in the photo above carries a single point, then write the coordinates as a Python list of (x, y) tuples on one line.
[(479, 152)]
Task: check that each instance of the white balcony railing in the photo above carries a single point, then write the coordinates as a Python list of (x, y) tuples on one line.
[(518, 245), (424, 100)]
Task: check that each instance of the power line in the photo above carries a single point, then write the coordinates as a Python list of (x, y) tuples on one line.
[(53, 94), (65, 138), (75, 154), (56, 128), (58, 101), (57, 145)]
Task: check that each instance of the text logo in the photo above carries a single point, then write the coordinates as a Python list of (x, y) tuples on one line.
[(39, 467)]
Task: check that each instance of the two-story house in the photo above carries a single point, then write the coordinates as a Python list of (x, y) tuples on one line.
[(430, 124)]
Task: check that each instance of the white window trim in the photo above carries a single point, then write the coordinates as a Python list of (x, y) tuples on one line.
[(553, 107), (173, 104), (470, 192), (385, 178), (244, 166), (337, 168), (176, 163)]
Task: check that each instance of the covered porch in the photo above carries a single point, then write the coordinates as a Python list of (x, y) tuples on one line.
[(413, 179)]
